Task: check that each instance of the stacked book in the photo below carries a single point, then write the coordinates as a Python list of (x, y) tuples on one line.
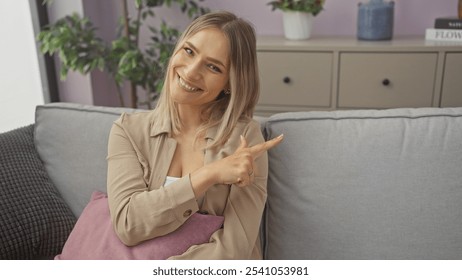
[(446, 29)]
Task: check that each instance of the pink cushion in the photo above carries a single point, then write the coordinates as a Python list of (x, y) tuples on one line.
[(93, 237)]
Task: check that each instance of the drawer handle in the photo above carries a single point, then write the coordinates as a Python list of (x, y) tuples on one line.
[(286, 80), (386, 82)]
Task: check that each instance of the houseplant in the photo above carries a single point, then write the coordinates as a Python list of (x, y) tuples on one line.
[(298, 16), (80, 49)]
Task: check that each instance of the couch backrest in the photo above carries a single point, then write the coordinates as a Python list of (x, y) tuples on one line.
[(71, 140), (365, 184)]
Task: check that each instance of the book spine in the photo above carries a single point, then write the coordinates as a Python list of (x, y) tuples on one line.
[(445, 23), (443, 34)]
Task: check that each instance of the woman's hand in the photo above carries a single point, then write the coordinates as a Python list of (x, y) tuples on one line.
[(238, 168), (235, 169)]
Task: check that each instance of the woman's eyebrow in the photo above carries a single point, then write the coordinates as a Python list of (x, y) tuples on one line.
[(214, 60)]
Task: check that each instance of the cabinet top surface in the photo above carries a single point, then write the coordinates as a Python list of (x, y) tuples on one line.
[(351, 43)]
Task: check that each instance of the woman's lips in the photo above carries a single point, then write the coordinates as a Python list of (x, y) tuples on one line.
[(186, 86)]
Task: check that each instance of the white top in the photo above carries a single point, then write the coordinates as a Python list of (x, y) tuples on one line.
[(170, 180)]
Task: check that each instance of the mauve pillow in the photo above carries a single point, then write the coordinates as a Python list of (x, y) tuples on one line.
[(93, 237)]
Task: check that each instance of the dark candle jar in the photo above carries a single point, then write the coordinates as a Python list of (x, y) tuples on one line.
[(375, 20)]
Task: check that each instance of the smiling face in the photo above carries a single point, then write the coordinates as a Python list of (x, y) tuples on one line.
[(199, 70)]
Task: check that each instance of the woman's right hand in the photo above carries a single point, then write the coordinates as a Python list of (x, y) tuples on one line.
[(235, 169), (238, 168)]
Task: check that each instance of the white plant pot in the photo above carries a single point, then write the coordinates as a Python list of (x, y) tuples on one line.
[(297, 25)]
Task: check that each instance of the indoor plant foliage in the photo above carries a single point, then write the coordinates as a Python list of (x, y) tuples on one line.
[(80, 49), (313, 7)]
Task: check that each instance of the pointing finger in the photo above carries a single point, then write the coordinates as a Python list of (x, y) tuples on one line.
[(258, 149)]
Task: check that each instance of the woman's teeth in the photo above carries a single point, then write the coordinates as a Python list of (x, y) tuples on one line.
[(185, 86)]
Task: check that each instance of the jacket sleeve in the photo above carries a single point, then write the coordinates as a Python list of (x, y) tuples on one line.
[(243, 212), (140, 213)]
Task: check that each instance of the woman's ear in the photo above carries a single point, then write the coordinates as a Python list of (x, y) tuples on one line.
[(227, 89), (222, 94)]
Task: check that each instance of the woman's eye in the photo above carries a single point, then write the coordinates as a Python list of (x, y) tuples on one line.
[(188, 51), (214, 68)]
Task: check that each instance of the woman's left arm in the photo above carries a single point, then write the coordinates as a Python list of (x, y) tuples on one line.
[(243, 212)]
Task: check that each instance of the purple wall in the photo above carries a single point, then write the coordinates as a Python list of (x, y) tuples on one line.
[(412, 17)]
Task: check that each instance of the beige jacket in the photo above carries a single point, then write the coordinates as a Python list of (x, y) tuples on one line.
[(140, 151)]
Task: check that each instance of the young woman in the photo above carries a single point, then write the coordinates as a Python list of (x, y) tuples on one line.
[(200, 149)]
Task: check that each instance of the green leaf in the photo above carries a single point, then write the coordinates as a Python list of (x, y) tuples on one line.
[(138, 3), (63, 73)]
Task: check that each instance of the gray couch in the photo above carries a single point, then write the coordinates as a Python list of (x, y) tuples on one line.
[(360, 184)]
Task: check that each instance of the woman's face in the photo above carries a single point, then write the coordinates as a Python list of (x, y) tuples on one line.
[(200, 68)]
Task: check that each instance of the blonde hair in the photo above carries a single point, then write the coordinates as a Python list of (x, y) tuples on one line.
[(244, 84)]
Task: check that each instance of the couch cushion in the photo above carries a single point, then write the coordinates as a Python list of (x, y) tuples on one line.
[(71, 139), (34, 219), (366, 184)]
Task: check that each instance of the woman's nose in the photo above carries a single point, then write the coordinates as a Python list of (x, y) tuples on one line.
[(193, 70)]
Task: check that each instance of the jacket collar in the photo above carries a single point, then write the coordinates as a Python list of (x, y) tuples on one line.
[(164, 125), (160, 127)]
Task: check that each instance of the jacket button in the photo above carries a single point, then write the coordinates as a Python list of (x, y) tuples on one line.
[(187, 213)]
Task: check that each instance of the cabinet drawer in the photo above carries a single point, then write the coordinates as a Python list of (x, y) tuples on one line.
[(386, 80), (451, 95), (295, 79)]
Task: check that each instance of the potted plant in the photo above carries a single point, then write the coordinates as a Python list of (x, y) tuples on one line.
[(80, 49), (298, 16)]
